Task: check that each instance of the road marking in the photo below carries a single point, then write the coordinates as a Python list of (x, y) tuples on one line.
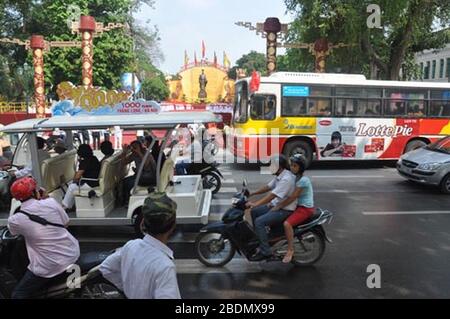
[(215, 217), (347, 176), (236, 265), (417, 212), (226, 173), (228, 181), (228, 190), (219, 202)]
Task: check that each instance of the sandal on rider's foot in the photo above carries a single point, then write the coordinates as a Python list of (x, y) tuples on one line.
[(288, 257)]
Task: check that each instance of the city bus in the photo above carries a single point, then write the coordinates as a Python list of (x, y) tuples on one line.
[(336, 116)]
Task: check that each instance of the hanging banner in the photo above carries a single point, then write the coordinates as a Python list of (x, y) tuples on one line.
[(67, 107)]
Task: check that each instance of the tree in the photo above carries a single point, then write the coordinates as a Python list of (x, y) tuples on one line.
[(114, 51), (155, 88), (407, 27), (251, 61)]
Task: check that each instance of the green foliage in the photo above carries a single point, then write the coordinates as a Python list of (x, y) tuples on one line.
[(155, 88), (249, 62), (114, 51), (406, 27)]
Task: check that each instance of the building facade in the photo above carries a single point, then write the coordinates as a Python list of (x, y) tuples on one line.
[(435, 64)]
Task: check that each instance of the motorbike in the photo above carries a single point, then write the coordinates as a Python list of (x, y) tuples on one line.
[(218, 242), (208, 169), (211, 176), (91, 285), (5, 198)]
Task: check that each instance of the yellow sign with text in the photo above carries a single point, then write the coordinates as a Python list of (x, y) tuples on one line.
[(91, 97)]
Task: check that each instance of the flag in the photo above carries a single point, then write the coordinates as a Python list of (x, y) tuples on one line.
[(195, 58), (215, 59), (226, 61), (186, 59), (203, 50)]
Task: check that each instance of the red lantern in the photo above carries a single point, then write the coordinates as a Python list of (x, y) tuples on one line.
[(255, 81)]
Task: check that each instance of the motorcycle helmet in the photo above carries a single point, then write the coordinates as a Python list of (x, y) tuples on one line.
[(23, 188), (299, 159)]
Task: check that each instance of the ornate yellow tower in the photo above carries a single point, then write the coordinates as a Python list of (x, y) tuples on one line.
[(202, 82)]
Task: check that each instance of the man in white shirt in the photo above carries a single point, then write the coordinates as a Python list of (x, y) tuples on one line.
[(51, 249), (144, 268), (262, 214)]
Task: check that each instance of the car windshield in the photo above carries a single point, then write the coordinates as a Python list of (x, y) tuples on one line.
[(442, 146)]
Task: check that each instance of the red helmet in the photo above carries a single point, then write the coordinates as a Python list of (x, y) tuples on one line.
[(23, 188)]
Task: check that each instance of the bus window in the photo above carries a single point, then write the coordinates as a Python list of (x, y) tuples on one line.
[(358, 107), (241, 103), (395, 108), (320, 107), (416, 108), (439, 108), (293, 106), (262, 107), (361, 92)]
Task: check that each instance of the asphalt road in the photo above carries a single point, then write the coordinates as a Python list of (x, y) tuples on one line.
[(379, 218)]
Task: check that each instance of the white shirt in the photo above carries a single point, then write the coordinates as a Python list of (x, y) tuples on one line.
[(283, 186), (50, 249), (27, 170), (143, 269)]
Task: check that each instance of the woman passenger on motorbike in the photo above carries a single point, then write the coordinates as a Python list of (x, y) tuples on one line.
[(304, 195)]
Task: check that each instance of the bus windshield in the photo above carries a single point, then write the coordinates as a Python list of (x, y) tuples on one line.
[(241, 103)]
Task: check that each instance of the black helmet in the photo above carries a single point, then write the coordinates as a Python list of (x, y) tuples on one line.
[(159, 212)]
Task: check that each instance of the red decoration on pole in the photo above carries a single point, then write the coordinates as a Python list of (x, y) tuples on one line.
[(37, 44), (203, 50), (255, 81), (87, 29), (321, 50)]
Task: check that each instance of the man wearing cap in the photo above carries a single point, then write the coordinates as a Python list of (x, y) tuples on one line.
[(144, 268)]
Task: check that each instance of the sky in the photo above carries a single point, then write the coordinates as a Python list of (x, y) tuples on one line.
[(183, 24)]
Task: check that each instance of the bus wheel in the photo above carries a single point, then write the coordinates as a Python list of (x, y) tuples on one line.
[(299, 147), (413, 145)]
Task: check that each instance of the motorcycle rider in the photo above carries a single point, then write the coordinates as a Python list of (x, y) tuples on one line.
[(262, 213), (144, 268), (51, 249), (304, 196)]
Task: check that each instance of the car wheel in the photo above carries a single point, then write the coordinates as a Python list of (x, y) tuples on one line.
[(445, 184)]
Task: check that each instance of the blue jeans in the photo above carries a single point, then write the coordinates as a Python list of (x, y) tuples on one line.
[(181, 168), (28, 285), (261, 219)]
